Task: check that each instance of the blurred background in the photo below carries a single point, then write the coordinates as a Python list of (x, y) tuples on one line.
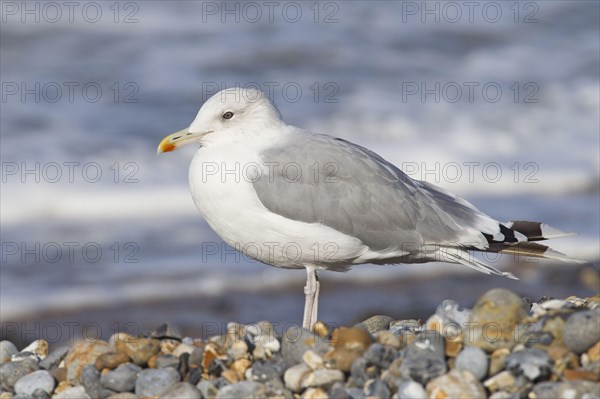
[(495, 101)]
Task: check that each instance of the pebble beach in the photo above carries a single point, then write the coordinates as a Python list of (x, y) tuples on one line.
[(505, 346)]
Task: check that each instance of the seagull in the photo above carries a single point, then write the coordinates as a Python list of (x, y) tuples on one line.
[(295, 199)]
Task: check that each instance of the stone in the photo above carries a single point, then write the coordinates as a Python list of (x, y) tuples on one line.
[(314, 393), (122, 395), (571, 375), (501, 381), (453, 347), (111, 360), (411, 390), (77, 392), (81, 354), (361, 371), (322, 378), (375, 323), (294, 375), (208, 390), (240, 366), (424, 359), (532, 363), (238, 350), (29, 383), (388, 339), (59, 374), (194, 376), (594, 352), (40, 394), (183, 348), (263, 371), (230, 375), (456, 384), (140, 350), (546, 389), (121, 379), (313, 360), (350, 344), (377, 389), (7, 350), (11, 372), (494, 318), (474, 360), (582, 330), (338, 391), (321, 329), (163, 361), (196, 357), (54, 358), (296, 341), (498, 360), (578, 390), (153, 382), (182, 390), (244, 389), (380, 355), (166, 331), (39, 347), (62, 386), (90, 379), (355, 393)]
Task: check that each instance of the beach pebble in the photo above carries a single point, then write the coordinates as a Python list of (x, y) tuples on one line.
[(494, 318), (411, 390), (313, 360), (111, 360), (501, 381), (81, 354), (208, 390), (182, 349), (314, 393), (122, 395), (151, 382), (39, 347), (11, 372), (424, 359), (90, 379), (380, 355), (121, 379), (452, 312), (474, 360), (532, 363), (165, 331), (338, 391), (54, 358), (546, 389), (263, 371), (182, 390), (244, 389), (139, 350), (456, 384), (350, 344), (578, 390), (322, 378), (163, 361), (77, 392), (294, 375), (375, 323), (29, 383), (7, 350), (377, 389), (582, 330), (296, 341)]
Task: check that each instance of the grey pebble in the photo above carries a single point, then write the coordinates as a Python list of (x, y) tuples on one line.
[(244, 389), (152, 382), (194, 376), (182, 390), (546, 389), (165, 331), (582, 330), (355, 393), (380, 355), (375, 323), (29, 383), (265, 371), (90, 379), (54, 358), (167, 361), (296, 341), (121, 379), (534, 364), (377, 389), (7, 351), (10, 372), (450, 311), (208, 390), (338, 391), (424, 359), (360, 373), (77, 392), (474, 360), (40, 394)]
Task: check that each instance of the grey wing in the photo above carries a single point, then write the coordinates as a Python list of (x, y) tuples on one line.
[(319, 179)]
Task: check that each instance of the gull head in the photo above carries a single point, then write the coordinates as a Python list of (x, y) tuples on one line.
[(227, 116)]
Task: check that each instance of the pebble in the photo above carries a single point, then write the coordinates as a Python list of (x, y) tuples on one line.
[(77, 392), (294, 375), (494, 318), (7, 350), (11, 372), (314, 393), (424, 358), (296, 341), (122, 395), (38, 347), (313, 360), (498, 360), (163, 361), (375, 323), (534, 364), (166, 331), (90, 379), (29, 383), (474, 360), (54, 358), (594, 352), (81, 354), (377, 389), (411, 390), (350, 343), (456, 384), (151, 382), (322, 378), (500, 381), (207, 389), (338, 391), (380, 355), (111, 360), (263, 371), (182, 390), (244, 389), (578, 390), (388, 339), (182, 349), (582, 330), (140, 350), (122, 378), (238, 350)]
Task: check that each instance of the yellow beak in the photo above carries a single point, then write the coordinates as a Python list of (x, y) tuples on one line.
[(178, 139)]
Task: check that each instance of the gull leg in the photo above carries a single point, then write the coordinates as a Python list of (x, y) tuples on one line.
[(311, 292), (315, 307)]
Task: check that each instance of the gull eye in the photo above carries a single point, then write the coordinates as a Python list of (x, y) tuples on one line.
[(228, 115)]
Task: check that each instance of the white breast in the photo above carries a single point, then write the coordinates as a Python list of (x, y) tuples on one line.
[(221, 183)]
